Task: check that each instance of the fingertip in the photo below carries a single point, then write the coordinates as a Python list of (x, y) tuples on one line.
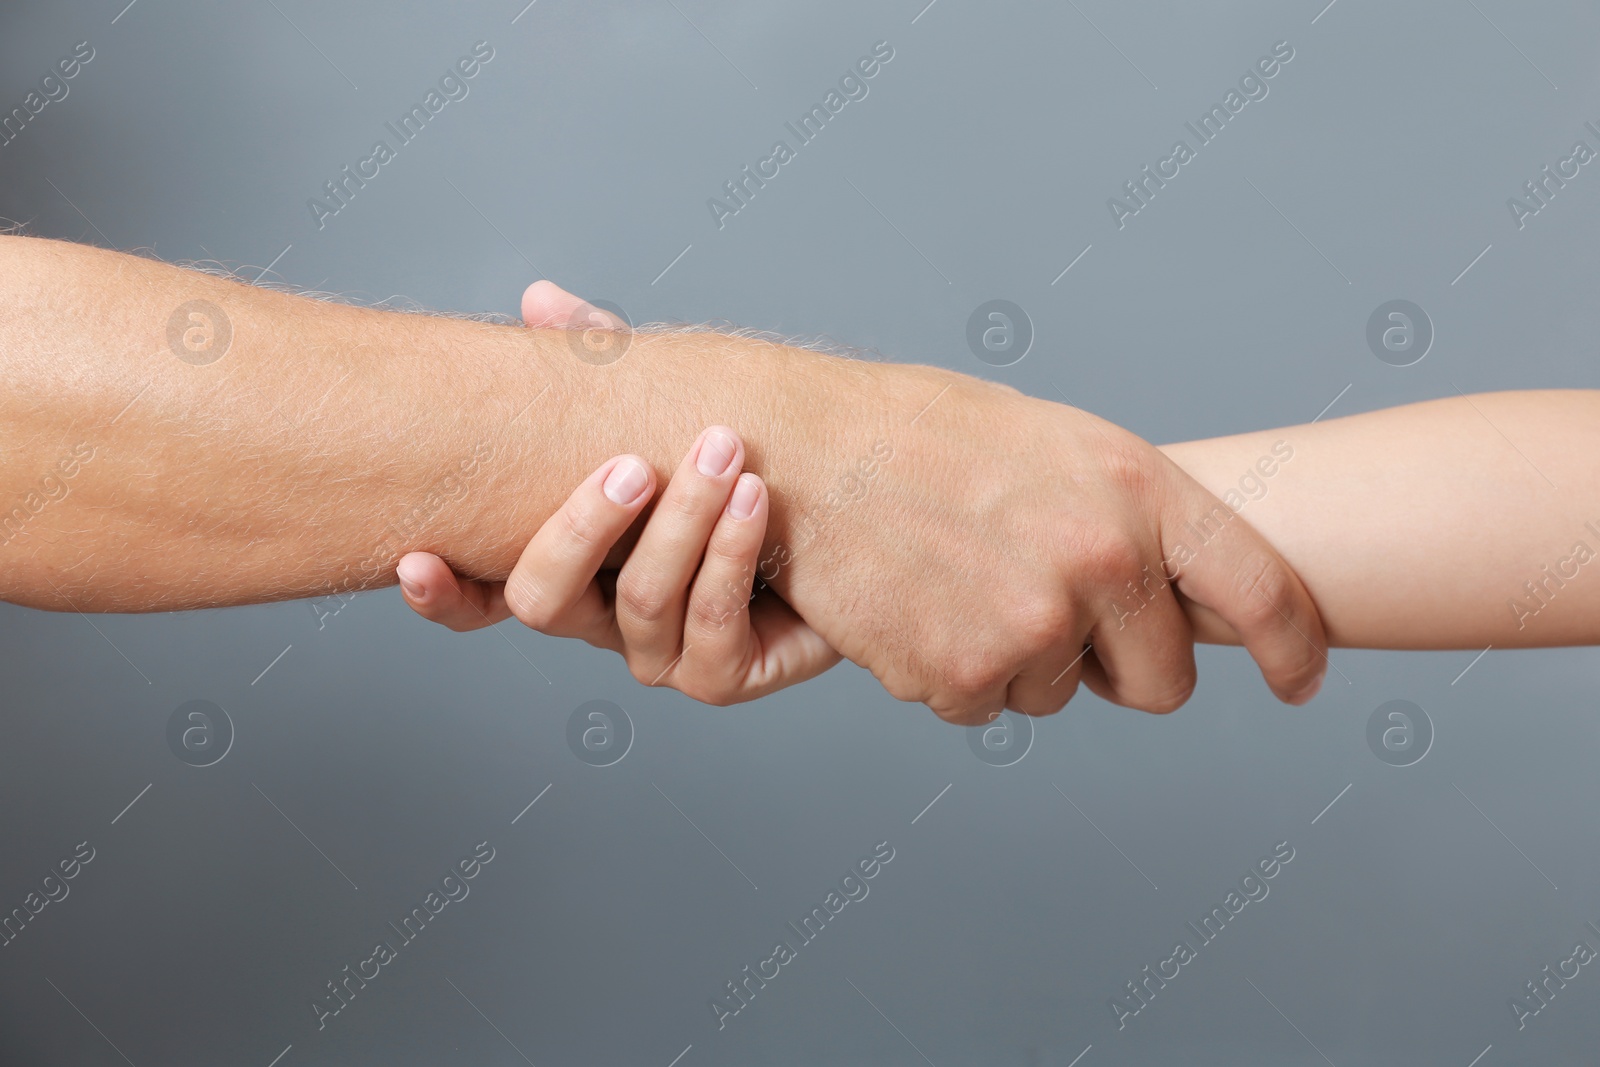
[(1309, 693), (717, 450), (746, 496), (541, 303), (628, 481), (412, 572)]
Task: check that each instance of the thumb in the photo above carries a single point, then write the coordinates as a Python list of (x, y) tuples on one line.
[(546, 304), (1222, 564)]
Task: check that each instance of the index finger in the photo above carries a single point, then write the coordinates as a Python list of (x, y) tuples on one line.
[(552, 587)]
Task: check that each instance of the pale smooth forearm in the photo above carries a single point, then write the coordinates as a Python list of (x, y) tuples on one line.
[(1454, 523), (329, 440)]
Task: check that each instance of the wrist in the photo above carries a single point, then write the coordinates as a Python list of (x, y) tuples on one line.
[(542, 418), (851, 420)]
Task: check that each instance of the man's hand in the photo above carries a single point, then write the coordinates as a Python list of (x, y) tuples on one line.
[(1005, 535)]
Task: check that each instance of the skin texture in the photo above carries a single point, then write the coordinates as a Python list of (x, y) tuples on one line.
[(1463, 540), (1435, 525), (1462, 545), (701, 547), (967, 572)]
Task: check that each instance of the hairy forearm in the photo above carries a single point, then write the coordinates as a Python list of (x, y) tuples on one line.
[(329, 440), (1454, 523)]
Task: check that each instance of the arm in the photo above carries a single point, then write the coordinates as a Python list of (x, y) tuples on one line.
[(1431, 525), (327, 440), (959, 539)]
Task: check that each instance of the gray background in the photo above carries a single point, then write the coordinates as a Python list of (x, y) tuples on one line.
[(1027, 895)]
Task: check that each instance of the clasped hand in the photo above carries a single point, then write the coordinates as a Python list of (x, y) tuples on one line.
[(993, 568)]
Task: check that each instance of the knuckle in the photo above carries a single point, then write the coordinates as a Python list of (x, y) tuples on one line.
[(1264, 591), (956, 714), (644, 599), (716, 692), (968, 712), (689, 505), (723, 599), (972, 676), (728, 541), (581, 524), (713, 611), (901, 687), (1062, 689), (899, 683), (645, 672), (1040, 704), (1107, 556), (1041, 621), (1115, 558), (529, 603), (1172, 699), (1042, 711), (1125, 463)]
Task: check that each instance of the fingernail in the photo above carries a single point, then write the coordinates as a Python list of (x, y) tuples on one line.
[(745, 494), (626, 482), (716, 452), (413, 590)]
